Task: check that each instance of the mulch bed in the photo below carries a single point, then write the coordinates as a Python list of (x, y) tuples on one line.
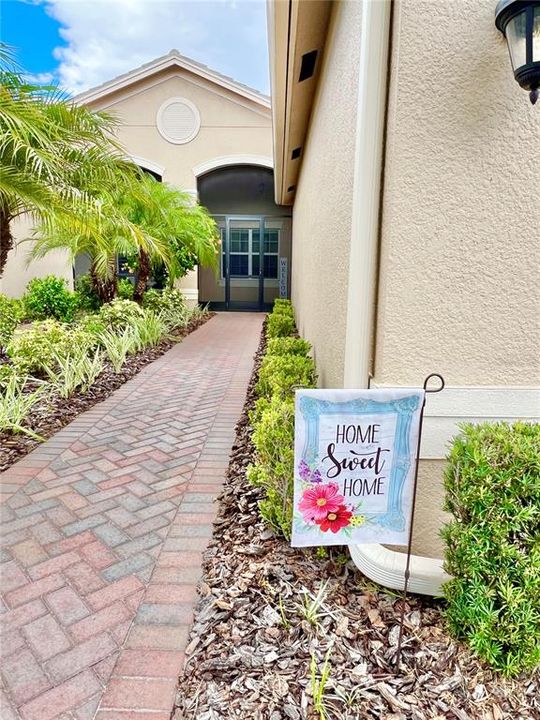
[(253, 643), (53, 413)]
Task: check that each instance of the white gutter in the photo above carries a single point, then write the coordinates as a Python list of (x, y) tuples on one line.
[(378, 563)]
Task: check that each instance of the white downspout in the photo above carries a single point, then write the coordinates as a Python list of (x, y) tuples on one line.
[(380, 564)]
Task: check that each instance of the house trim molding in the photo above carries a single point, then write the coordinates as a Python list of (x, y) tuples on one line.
[(147, 164), (226, 160), (446, 410)]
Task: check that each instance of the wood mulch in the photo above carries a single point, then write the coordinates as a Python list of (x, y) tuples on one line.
[(51, 414), (260, 639)]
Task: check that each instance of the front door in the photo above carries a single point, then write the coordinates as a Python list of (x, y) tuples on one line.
[(243, 263)]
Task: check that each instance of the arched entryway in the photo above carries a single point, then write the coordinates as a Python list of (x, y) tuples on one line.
[(251, 273)]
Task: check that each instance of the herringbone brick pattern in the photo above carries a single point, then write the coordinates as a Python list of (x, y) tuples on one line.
[(103, 529)]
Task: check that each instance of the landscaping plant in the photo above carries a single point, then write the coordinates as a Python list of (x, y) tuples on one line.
[(492, 487), (118, 314), (148, 330), (117, 346), (280, 323), (49, 297), (125, 289), (87, 297), (285, 367), (16, 402), (77, 370), (10, 315), (38, 347), (288, 346)]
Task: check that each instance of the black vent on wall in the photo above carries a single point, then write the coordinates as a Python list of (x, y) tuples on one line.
[(296, 153), (307, 67)]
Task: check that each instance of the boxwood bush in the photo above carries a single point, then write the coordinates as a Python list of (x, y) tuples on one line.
[(493, 543), (285, 367), (288, 346)]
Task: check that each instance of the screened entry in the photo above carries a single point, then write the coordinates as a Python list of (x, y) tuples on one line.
[(255, 234)]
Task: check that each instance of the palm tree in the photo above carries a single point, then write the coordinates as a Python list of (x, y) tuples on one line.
[(174, 219), (47, 145), (109, 234)]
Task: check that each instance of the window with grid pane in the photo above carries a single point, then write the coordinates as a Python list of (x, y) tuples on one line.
[(244, 253)]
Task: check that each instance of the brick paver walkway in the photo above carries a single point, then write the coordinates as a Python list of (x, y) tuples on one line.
[(103, 530)]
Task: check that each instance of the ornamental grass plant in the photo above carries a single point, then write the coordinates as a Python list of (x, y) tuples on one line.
[(492, 487), (285, 367)]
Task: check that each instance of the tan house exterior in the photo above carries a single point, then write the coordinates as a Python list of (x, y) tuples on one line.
[(181, 121), (409, 155)]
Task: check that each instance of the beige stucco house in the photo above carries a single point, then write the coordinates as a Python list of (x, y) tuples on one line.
[(410, 158), (212, 137)]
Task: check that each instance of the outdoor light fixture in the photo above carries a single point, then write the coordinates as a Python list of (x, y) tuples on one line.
[(519, 21)]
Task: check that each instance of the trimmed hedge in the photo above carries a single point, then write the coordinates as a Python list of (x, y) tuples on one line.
[(492, 487), (285, 367)]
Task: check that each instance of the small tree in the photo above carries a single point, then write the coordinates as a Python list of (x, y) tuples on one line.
[(175, 220)]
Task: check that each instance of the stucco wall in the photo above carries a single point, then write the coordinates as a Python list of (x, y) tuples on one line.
[(459, 283), (459, 273), (229, 125), (18, 271), (323, 203)]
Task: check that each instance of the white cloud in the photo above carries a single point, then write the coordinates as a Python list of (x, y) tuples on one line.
[(105, 38), (44, 78)]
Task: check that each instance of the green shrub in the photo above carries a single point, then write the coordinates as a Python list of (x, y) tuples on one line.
[(88, 299), (125, 289), (281, 305), (37, 348), (282, 374), (93, 325), (170, 305), (11, 313), (273, 438), (118, 314), (280, 325), (288, 346), (285, 367), (49, 297), (492, 487)]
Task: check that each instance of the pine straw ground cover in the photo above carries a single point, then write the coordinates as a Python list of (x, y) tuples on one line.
[(52, 413), (288, 634)]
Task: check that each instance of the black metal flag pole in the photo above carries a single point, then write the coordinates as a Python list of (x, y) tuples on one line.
[(413, 507)]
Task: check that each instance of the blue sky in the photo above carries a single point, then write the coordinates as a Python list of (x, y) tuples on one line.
[(82, 43)]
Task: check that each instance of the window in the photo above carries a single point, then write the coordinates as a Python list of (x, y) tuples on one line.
[(244, 253)]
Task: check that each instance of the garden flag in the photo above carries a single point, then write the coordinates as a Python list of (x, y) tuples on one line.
[(355, 455)]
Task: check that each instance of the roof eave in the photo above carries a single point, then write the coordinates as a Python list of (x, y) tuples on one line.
[(165, 63)]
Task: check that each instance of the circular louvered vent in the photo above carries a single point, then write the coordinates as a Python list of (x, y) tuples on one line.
[(178, 120)]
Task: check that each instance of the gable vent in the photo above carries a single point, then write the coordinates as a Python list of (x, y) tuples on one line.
[(178, 121), (307, 68)]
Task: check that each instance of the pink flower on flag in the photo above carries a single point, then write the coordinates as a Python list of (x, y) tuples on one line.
[(317, 501)]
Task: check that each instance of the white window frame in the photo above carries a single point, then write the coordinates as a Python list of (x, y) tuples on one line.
[(249, 253)]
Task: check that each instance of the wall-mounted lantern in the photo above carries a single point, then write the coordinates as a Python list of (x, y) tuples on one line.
[(519, 21)]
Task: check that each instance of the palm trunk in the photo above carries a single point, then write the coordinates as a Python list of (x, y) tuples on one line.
[(143, 274), (6, 238), (105, 287)]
